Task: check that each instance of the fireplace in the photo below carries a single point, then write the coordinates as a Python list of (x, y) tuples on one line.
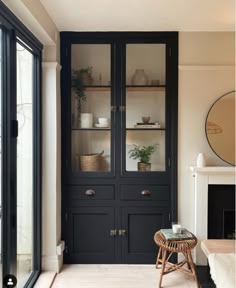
[(204, 177), (221, 212)]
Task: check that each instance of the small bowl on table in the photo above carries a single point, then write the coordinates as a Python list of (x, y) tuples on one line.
[(146, 119)]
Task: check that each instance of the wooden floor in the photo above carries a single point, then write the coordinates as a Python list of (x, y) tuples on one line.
[(117, 276)]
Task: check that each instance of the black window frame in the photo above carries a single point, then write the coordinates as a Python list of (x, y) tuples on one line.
[(13, 30)]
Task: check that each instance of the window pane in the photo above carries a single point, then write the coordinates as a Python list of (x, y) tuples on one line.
[(24, 164)]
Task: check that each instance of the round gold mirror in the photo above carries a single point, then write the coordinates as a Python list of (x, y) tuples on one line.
[(220, 127)]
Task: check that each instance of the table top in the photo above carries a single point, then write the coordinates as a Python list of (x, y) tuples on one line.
[(218, 246), (175, 245), (170, 235)]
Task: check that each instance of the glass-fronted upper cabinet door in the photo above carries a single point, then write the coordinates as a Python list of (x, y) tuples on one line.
[(145, 106), (91, 108)]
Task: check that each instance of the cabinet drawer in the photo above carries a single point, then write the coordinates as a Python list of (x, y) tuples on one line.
[(93, 192), (145, 192)]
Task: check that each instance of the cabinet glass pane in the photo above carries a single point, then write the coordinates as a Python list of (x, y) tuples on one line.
[(146, 138), (142, 106), (145, 107), (91, 107), (145, 64), (91, 150)]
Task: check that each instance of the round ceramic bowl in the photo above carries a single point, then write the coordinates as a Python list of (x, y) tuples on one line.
[(145, 119)]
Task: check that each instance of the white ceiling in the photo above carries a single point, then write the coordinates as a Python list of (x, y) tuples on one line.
[(142, 15)]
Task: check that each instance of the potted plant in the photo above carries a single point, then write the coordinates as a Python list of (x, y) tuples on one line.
[(143, 154), (79, 79)]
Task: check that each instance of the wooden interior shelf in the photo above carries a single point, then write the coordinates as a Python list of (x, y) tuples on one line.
[(128, 88), (98, 88), (158, 129), (91, 129), (145, 88)]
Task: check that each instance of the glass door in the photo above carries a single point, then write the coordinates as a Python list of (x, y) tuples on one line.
[(91, 117), (1, 156), (145, 90), (20, 157), (24, 164)]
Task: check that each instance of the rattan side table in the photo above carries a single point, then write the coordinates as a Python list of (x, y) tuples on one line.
[(167, 248)]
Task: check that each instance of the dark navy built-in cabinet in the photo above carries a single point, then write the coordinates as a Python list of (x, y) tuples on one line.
[(119, 94)]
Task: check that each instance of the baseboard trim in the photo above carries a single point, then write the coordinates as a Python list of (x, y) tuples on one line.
[(45, 280), (52, 263)]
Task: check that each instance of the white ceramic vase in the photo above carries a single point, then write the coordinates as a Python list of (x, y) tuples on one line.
[(86, 120), (139, 78), (201, 160)]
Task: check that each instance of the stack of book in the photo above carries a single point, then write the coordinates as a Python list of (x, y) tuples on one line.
[(169, 235), (147, 125)]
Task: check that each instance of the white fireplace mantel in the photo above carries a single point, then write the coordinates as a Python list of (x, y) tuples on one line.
[(202, 178)]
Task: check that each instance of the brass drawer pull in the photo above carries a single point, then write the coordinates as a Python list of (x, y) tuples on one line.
[(90, 192), (146, 193)]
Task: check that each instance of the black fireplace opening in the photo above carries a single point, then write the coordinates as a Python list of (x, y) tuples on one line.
[(229, 224), (221, 212)]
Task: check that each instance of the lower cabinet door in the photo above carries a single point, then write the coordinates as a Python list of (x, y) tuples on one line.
[(89, 237), (139, 225)]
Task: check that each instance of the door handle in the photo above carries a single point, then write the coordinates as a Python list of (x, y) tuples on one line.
[(122, 232), (113, 232), (145, 193), (114, 108), (90, 192)]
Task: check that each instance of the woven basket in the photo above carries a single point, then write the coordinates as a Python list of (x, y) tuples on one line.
[(90, 162)]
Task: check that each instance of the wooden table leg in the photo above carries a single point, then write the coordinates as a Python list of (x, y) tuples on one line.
[(163, 266), (192, 266), (158, 257)]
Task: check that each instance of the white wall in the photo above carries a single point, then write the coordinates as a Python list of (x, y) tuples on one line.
[(35, 18), (206, 72)]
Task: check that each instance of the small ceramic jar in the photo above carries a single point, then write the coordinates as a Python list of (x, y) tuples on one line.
[(201, 160)]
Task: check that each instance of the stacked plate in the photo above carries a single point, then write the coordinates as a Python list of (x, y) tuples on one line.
[(100, 125)]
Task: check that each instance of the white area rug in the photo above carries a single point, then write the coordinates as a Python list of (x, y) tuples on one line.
[(118, 276), (222, 267)]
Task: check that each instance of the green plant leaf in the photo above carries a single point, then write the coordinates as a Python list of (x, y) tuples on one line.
[(142, 153)]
